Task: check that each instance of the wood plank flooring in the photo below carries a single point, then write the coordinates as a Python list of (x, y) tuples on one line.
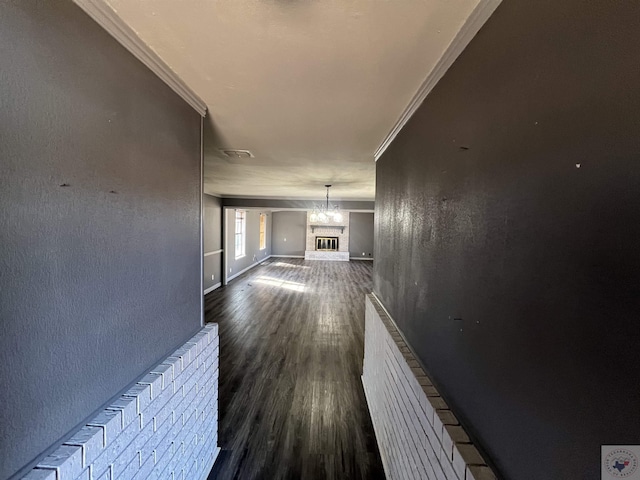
[(291, 349)]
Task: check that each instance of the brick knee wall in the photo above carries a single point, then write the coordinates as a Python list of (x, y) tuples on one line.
[(418, 436), (165, 426)]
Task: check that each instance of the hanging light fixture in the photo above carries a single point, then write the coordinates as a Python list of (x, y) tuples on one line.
[(324, 213)]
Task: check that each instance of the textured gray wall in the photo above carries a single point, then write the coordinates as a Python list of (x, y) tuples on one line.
[(212, 230), (361, 235), (514, 274), (99, 222), (291, 226), (212, 227), (212, 267), (253, 254)]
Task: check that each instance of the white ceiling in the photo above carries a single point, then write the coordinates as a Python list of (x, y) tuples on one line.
[(310, 87)]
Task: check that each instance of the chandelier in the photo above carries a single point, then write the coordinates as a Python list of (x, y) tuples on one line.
[(324, 213)]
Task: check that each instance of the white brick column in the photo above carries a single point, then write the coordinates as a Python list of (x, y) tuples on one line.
[(165, 426), (418, 436)]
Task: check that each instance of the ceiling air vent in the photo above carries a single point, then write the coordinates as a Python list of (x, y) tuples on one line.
[(236, 153)]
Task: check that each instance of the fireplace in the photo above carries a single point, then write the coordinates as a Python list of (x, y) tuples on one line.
[(328, 241), (327, 244)]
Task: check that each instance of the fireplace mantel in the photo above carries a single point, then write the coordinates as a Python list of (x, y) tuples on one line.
[(327, 227)]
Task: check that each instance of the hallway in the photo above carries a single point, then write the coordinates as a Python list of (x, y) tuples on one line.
[(291, 348)]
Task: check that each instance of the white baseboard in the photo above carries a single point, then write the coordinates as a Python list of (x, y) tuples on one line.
[(361, 258), (247, 269), (287, 256), (211, 289)]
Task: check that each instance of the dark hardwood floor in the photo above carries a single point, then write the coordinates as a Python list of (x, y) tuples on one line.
[(291, 348)]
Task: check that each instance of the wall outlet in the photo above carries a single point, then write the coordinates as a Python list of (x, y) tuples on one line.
[(230, 270), (213, 277)]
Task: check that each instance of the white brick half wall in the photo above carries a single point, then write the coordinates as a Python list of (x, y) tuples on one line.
[(418, 436), (165, 426)]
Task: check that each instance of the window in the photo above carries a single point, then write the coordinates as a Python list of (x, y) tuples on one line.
[(241, 232), (263, 229)]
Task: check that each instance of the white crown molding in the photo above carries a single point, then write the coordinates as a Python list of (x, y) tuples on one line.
[(476, 20), (108, 19)]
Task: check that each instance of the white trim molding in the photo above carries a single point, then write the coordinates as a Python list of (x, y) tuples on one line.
[(201, 219), (211, 289), (108, 19), (247, 269), (287, 256), (214, 252), (264, 259), (225, 260), (476, 20)]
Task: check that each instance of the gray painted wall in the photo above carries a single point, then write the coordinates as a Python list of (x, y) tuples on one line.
[(289, 233), (212, 270), (99, 225), (212, 231), (361, 235), (253, 254), (514, 274)]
